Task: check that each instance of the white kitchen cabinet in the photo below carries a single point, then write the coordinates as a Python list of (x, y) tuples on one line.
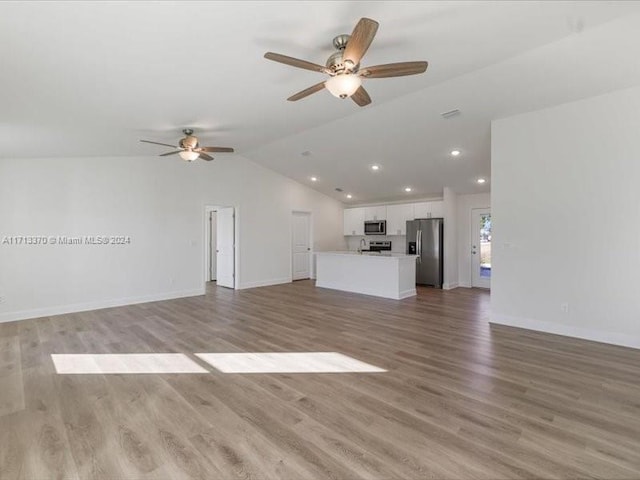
[(421, 210), (433, 209), (437, 209), (397, 216), (354, 221), (375, 213)]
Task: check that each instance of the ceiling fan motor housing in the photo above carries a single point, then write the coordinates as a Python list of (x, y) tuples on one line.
[(335, 63), (189, 142)]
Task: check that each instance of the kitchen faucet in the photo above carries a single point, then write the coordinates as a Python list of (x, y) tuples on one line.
[(363, 244)]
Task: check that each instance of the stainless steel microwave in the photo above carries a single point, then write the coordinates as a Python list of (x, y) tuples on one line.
[(376, 227)]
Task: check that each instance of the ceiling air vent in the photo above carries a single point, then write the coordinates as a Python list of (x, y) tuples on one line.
[(450, 113)]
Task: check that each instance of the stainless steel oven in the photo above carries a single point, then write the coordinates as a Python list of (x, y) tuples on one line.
[(376, 227)]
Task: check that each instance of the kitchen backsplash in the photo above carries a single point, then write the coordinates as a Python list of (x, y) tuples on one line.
[(398, 242)]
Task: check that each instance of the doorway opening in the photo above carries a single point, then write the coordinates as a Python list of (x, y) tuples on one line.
[(481, 248), (220, 246), (301, 258)]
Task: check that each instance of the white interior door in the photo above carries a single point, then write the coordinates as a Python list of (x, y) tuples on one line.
[(301, 245), (213, 245), (225, 246), (481, 248)]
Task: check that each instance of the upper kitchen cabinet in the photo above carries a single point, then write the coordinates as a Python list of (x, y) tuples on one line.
[(354, 221), (433, 209), (375, 213), (437, 209), (397, 216)]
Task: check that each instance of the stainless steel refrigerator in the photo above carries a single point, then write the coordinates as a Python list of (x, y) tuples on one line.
[(424, 238)]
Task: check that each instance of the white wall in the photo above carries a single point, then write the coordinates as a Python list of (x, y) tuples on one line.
[(566, 210), (159, 203), (465, 205), (450, 207)]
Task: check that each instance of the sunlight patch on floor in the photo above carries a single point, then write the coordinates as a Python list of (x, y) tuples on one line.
[(287, 362), (124, 363)]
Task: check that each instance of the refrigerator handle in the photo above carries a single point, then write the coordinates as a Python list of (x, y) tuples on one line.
[(419, 245)]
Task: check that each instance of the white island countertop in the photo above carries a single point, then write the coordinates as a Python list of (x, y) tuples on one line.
[(369, 254), (385, 274)]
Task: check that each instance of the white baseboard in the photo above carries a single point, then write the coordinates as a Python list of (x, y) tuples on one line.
[(265, 283), (84, 307), (601, 336), (464, 285), (412, 292), (450, 286)]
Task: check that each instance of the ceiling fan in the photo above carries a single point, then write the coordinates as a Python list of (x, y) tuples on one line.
[(189, 149), (343, 66)]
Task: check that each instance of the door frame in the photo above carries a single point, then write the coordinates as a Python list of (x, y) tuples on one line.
[(309, 214), (477, 211), (211, 240), (207, 241)]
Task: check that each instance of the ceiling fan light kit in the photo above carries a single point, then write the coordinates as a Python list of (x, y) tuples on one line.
[(343, 85), (189, 155), (343, 66)]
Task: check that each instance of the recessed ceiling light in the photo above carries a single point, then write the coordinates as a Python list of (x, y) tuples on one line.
[(314, 179), (407, 189), (375, 167), (481, 180), (455, 153), (349, 195)]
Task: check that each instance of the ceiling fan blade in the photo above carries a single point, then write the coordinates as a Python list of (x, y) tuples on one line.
[(206, 157), (394, 70), (215, 149), (361, 97), (294, 62), (361, 38), (169, 153), (306, 92), (158, 143)]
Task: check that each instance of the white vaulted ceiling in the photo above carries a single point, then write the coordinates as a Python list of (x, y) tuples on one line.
[(90, 79)]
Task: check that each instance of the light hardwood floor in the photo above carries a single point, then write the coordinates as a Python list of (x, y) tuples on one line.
[(459, 400)]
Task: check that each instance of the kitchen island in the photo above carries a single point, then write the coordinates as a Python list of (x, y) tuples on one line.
[(388, 275)]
